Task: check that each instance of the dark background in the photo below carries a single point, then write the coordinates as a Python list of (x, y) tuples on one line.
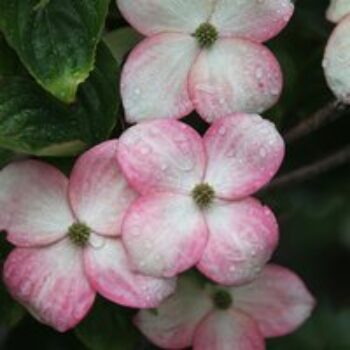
[(314, 214)]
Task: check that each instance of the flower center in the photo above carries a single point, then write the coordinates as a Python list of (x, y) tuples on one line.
[(222, 299), (206, 35), (79, 234), (203, 195)]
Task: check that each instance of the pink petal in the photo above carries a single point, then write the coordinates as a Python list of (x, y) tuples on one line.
[(228, 330), (98, 191), (242, 238), (109, 272), (173, 324), (278, 300), (336, 61), (162, 155), (159, 16), (164, 234), (154, 78), (50, 282), (338, 9), (244, 153), (34, 206), (234, 76), (252, 20)]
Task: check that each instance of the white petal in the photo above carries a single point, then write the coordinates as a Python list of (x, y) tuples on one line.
[(244, 153), (252, 19), (154, 78), (278, 300), (165, 234), (162, 156), (159, 16), (98, 192), (109, 272), (235, 75), (228, 330), (338, 9), (337, 61), (242, 237), (51, 283), (173, 323), (34, 204)]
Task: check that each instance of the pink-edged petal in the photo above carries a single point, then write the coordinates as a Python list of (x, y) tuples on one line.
[(234, 76), (228, 330), (242, 238), (154, 78), (173, 324), (162, 155), (278, 300), (159, 16), (244, 152), (338, 9), (254, 20), (337, 61), (165, 234), (98, 191), (50, 282), (109, 273), (34, 205)]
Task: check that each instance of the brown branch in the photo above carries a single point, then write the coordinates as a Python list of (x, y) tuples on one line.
[(333, 161), (324, 116)]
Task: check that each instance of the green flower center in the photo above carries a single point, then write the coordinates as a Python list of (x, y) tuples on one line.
[(206, 35), (203, 195), (79, 234), (222, 299)]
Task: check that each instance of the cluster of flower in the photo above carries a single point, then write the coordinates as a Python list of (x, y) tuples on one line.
[(138, 212)]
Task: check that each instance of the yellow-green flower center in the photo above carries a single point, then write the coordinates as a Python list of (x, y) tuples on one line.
[(206, 35), (79, 234), (222, 299), (203, 195)]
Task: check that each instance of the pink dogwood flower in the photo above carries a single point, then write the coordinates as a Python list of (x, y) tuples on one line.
[(202, 54), (337, 60), (216, 318), (66, 238), (194, 207), (337, 10)]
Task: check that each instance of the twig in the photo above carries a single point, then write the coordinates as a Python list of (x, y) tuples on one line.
[(325, 115), (337, 159)]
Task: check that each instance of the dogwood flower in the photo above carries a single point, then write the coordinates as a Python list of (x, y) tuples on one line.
[(194, 207), (337, 60), (202, 54), (214, 317), (338, 9), (66, 238)]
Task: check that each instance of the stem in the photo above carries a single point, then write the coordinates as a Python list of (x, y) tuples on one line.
[(339, 158), (325, 115)]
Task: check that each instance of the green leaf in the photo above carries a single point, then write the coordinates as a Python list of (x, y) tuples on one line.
[(121, 41), (34, 122), (9, 64), (107, 327), (55, 40), (11, 312)]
